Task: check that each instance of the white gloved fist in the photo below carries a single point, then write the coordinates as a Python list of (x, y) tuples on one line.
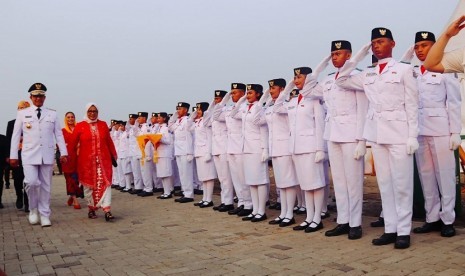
[(226, 98), (412, 145), (455, 141), (360, 150), (408, 55), (321, 66), (362, 53), (319, 156), (208, 157), (190, 157), (265, 155)]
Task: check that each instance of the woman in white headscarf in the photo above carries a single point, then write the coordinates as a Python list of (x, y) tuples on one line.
[(96, 156)]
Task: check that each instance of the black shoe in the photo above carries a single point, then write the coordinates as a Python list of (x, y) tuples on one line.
[(144, 194), (177, 188), (301, 227), (7, 186), (215, 208), (340, 229), (301, 211), (206, 204), (158, 190), (249, 217), (287, 222), (447, 230), (325, 215), (385, 239), (1, 206), (355, 233), (178, 193), (19, 202), (226, 208), (428, 227), (236, 200), (244, 212), (259, 217), (236, 211), (135, 191), (402, 242), (275, 206), (198, 203), (275, 221), (377, 223), (125, 191), (311, 228), (198, 192), (165, 196), (184, 200), (119, 188)]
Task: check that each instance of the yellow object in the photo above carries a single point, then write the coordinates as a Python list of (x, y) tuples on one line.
[(142, 140)]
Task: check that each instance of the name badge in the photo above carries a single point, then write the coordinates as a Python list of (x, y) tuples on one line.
[(291, 107), (29, 116)]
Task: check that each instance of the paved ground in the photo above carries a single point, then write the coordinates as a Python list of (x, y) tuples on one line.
[(156, 237)]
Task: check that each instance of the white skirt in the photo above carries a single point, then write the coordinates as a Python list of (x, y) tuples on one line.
[(126, 165), (310, 175), (205, 170), (164, 167), (255, 171), (284, 171)]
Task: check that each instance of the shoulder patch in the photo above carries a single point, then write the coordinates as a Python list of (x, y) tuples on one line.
[(416, 66), (358, 69), (405, 62), (371, 66), (50, 109), (331, 73)]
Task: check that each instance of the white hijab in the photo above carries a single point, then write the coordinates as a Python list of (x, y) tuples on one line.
[(85, 113)]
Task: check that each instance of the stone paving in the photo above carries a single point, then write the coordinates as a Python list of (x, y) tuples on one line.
[(159, 237)]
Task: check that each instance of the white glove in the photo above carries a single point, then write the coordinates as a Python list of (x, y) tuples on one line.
[(173, 118), (351, 64), (226, 98), (455, 141), (286, 92), (360, 150), (241, 100), (208, 157), (265, 155), (362, 53), (408, 55), (190, 157), (321, 66), (147, 158), (319, 156), (193, 116), (412, 145), (264, 97)]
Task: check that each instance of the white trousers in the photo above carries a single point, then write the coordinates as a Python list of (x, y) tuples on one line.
[(147, 170), (237, 175), (137, 173), (348, 182), (38, 181), (436, 168), (115, 176), (224, 176), (394, 173), (186, 175), (122, 179)]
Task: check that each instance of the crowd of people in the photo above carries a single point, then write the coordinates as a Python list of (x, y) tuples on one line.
[(304, 126)]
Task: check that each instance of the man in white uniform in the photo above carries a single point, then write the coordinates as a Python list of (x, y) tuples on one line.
[(41, 131), (135, 154), (392, 126)]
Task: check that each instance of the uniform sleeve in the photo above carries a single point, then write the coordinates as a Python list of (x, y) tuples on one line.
[(453, 61), (362, 109), (208, 118), (16, 137), (351, 82), (453, 102), (258, 116), (209, 139), (166, 138), (411, 102), (319, 125), (218, 114), (60, 140)]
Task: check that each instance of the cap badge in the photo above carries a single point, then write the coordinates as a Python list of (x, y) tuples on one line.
[(217, 93), (271, 83), (338, 45), (297, 71), (198, 106), (424, 35), (249, 87), (179, 104), (38, 86), (234, 85), (382, 32)]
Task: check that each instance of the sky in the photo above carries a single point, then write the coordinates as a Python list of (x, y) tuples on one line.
[(146, 55)]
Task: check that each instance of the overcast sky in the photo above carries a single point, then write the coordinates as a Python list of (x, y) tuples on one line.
[(146, 55)]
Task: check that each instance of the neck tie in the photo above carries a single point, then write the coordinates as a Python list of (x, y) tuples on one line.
[(299, 98), (250, 106), (38, 113), (422, 69), (381, 67)]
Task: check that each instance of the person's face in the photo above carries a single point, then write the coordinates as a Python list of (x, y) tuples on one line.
[(38, 100), (199, 113), (236, 94), (92, 113), (218, 100), (382, 47), (275, 90), (252, 96), (339, 57), (299, 81), (132, 121), (153, 120), (141, 120), (182, 111), (160, 120), (70, 119), (422, 48)]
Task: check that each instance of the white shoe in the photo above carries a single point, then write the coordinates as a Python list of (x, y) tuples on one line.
[(33, 216), (45, 221)]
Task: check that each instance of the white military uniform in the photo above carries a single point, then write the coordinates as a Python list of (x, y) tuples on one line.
[(114, 134), (124, 163), (164, 164), (184, 146), (220, 158), (38, 153), (147, 166), (391, 120), (438, 118), (235, 157), (135, 155), (150, 148), (345, 118)]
